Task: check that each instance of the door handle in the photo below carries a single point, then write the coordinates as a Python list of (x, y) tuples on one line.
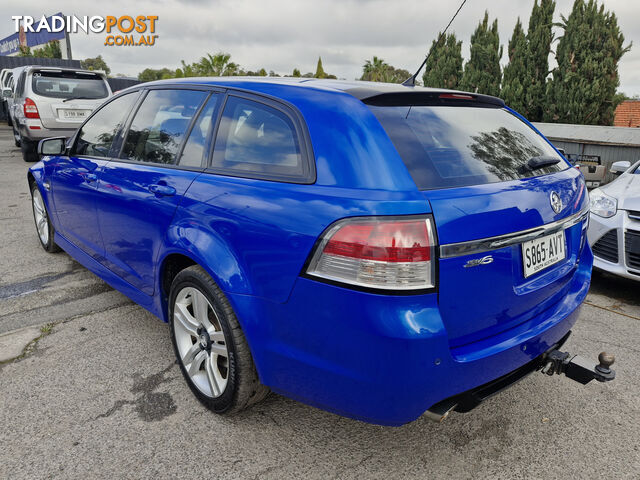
[(162, 190), (91, 177)]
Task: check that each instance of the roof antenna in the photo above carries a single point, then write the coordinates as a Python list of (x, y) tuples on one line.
[(411, 81)]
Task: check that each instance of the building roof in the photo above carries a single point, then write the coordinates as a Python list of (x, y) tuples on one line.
[(627, 114), (594, 134)]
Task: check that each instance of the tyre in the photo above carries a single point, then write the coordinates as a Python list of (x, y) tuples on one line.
[(211, 349), (43, 224), (29, 150)]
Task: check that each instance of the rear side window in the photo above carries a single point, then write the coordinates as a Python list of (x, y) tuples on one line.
[(20, 85), (68, 85), (257, 140), (160, 124), (96, 136), (200, 136), (459, 146)]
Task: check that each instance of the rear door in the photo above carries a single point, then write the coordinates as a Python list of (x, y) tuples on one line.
[(140, 191), (473, 163), (65, 98), (75, 178)]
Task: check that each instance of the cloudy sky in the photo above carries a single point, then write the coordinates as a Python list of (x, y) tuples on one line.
[(282, 34)]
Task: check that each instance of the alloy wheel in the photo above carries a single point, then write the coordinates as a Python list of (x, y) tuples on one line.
[(201, 343), (40, 214)]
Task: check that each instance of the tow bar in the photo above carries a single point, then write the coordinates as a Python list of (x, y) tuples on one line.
[(578, 368)]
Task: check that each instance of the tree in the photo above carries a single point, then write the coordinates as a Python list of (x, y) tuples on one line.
[(96, 63), (319, 70), (444, 66), (218, 65), (482, 71), (515, 73), (584, 83), (50, 50), (377, 70), (296, 73), (150, 74), (539, 39)]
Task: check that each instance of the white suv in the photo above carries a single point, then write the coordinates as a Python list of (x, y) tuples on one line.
[(53, 102)]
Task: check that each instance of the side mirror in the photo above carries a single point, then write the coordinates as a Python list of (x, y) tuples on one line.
[(6, 93), (52, 146), (620, 167)]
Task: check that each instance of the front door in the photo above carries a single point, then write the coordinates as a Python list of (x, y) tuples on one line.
[(75, 178), (139, 193)]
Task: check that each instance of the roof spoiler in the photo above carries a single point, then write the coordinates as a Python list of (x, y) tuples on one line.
[(443, 98)]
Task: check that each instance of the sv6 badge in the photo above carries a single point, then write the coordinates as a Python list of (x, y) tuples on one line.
[(479, 261)]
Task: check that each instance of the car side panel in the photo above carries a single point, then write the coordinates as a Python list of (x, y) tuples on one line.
[(255, 235)]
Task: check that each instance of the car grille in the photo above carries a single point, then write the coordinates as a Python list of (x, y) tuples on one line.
[(634, 214), (632, 248), (607, 247)]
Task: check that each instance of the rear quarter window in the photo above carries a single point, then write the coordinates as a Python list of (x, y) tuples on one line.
[(445, 146), (257, 140)]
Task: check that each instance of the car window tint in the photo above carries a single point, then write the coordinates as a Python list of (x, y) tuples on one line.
[(69, 85), (96, 136), (446, 147), (200, 135), (160, 124), (257, 139)]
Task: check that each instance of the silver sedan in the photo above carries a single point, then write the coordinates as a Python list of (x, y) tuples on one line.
[(614, 228)]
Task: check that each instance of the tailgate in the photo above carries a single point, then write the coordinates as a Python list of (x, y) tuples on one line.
[(507, 207), (66, 115), (490, 236)]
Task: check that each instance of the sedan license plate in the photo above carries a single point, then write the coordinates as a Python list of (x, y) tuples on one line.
[(73, 114), (543, 252)]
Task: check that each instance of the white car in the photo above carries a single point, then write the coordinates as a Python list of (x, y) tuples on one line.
[(53, 102), (614, 228)]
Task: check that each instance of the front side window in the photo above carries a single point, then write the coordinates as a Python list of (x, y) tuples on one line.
[(459, 146), (160, 125), (69, 85), (96, 135), (256, 139)]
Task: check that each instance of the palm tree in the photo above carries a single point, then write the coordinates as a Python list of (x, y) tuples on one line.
[(218, 65), (377, 70)]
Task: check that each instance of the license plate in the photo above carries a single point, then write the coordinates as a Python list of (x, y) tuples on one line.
[(543, 252), (73, 114)]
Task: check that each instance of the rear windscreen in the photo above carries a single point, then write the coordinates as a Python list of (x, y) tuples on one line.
[(459, 146), (69, 85)]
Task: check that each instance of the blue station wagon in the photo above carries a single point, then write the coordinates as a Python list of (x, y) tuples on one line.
[(375, 250)]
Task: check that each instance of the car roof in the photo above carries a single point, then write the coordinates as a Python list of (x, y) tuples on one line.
[(362, 90)]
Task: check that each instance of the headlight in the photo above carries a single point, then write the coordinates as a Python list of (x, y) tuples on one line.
[(601, 204)]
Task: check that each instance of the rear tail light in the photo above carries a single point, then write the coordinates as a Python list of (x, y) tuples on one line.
[(377, 252), (30, 109)]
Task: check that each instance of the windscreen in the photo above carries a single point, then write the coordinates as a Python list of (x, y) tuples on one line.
[(69, 85), (445, 146)]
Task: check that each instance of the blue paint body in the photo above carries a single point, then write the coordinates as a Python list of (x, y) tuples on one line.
[(380, 358)]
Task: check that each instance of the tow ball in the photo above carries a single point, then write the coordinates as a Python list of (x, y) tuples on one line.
[(578, 368)]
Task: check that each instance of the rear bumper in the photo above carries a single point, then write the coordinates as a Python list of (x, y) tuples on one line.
[(32, 129), (386, 359)]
